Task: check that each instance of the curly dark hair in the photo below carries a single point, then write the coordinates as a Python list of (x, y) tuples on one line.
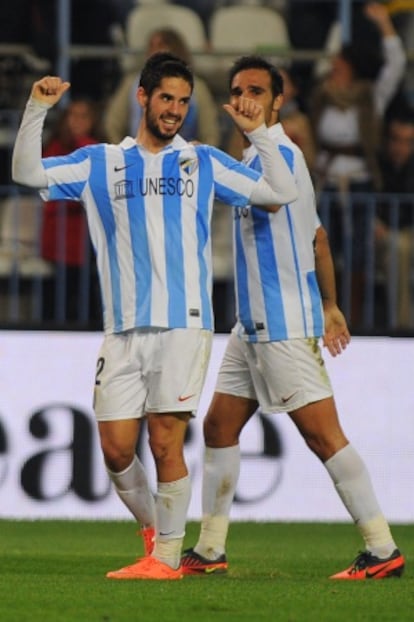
[(164, 65)]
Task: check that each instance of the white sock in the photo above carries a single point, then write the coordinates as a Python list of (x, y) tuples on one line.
[(220, 475), (172, 501), (133, 489), (354, 486)]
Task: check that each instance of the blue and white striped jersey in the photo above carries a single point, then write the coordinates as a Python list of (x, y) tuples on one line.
[(149, 220), (277, 295)]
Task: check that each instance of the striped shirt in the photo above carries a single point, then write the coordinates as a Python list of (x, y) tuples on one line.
[(149, 219), (277, 295)]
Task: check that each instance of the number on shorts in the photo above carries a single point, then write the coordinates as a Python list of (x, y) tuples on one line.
[(99, 368)]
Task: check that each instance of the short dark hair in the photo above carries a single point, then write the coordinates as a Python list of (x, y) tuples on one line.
[(164, 65), (258, 62)]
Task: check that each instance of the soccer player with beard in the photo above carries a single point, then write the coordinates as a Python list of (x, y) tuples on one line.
[(285, 303), (149, 203)]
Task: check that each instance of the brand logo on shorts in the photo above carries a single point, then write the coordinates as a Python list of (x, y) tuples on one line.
[(184, 398), (287, 399)]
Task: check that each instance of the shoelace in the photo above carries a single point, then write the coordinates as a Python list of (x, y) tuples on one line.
[(361, 561)]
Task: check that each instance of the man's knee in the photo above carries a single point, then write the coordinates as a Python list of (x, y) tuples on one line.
[(117, 457), (226, 418), (118, 449), (164, 449), (166, 437), (319, 425), (221, 431), (325, 446)]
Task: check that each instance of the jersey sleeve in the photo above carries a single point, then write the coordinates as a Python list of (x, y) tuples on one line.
[(67, 175), (27, 166), (61, 177), (233, 181), (239, 185), (276, 171)]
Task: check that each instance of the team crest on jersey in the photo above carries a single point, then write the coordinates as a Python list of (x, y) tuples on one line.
[(123, 189), (189, 165)]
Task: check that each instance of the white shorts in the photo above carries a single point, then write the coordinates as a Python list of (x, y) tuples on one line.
[(280, 375), (151, 370)]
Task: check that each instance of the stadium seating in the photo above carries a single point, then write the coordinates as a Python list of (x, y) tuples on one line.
[(142, 20), (19, 237), (243, 29)]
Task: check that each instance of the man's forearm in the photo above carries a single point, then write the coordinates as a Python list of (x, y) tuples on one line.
[(275, 169), (325, 271), (27, 166)]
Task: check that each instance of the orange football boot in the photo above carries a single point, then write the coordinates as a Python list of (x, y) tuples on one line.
[(368, 566), (147, 568)]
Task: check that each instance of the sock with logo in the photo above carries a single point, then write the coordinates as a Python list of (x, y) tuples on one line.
[(220, 475), (171, 503), (352, 481), (133, 489)]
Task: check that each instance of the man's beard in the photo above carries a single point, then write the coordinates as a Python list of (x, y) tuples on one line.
[(155, 130)]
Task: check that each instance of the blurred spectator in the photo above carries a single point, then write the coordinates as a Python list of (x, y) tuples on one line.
[(347, 106), (362, 29), (395, 227), (346, 110), (122, 113), (397, 158), (65, 239)]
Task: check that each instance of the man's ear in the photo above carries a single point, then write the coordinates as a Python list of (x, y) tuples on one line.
[(277, 103), (142, 97)]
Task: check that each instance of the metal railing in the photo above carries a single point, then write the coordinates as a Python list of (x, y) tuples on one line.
[(372, 242), (375, 276)]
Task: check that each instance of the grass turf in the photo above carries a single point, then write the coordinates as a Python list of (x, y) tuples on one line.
[(54, 571)]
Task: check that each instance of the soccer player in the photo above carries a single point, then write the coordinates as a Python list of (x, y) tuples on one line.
[(149, 203), (286, 302)]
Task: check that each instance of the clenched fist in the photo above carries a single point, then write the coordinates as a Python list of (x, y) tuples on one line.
[(49, 89)]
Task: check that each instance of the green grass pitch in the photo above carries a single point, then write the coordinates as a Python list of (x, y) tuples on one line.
[(54, 571)]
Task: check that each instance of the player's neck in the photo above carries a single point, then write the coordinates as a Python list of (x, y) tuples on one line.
[(150, 142)]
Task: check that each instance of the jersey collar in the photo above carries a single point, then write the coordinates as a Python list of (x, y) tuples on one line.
[(176, 144)]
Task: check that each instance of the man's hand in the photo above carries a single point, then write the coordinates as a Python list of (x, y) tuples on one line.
[(248, 116), (336, 336), (378, 13), (49, 89)]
